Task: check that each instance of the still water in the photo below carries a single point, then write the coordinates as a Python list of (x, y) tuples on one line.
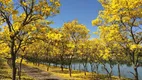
[(125, 70)]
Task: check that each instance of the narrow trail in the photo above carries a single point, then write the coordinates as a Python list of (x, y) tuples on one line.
[(38, 74)]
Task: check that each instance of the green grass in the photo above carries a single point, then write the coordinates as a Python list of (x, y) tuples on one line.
[(76, 75), (5, 72)]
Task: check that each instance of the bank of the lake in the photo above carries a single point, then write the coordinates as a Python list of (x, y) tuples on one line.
[(124, 69), (76, 74)]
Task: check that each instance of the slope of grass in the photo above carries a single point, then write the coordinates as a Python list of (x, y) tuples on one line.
[(76, 75), (5, 72)]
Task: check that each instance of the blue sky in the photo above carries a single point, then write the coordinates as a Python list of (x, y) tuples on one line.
[(82, 10)]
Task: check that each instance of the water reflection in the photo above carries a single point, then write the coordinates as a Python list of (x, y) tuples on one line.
[(125, 70)]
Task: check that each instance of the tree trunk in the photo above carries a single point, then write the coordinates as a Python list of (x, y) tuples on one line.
[(70, 70), (48, 67), (56, 64), (108, 73), (85, 73), (85, 69), (13, 67), (70, 65), (62, 64), (13, 56), (79, 66), (97, 67), (74, 67), (38, 64), (20, 68), (119, 74), (62, 68), (136, 73), (92, 67)]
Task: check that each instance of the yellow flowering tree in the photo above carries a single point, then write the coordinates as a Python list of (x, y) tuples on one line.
[(126, 14), (75, 32), (22, 18), (85, 51)]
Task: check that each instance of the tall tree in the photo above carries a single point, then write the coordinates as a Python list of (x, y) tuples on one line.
[(127, 15), (20, 17), (75, 32)]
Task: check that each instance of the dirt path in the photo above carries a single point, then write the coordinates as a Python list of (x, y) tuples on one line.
[(38, 74)]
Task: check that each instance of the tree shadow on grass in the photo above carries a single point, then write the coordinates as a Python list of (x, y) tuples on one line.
[(3, 76), (66, 71)]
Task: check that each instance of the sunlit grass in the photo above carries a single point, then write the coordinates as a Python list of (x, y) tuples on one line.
[(5, 72), (76, 75)]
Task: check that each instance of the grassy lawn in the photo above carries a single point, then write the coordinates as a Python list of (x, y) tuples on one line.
[(5, 72), (76, 75)]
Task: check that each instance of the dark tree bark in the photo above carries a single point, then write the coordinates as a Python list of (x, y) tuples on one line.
[(136, 73), (119, 74), (70, 70), (13, 67), (13, 57)]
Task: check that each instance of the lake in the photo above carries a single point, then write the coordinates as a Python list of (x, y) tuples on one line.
[(125, 70)]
